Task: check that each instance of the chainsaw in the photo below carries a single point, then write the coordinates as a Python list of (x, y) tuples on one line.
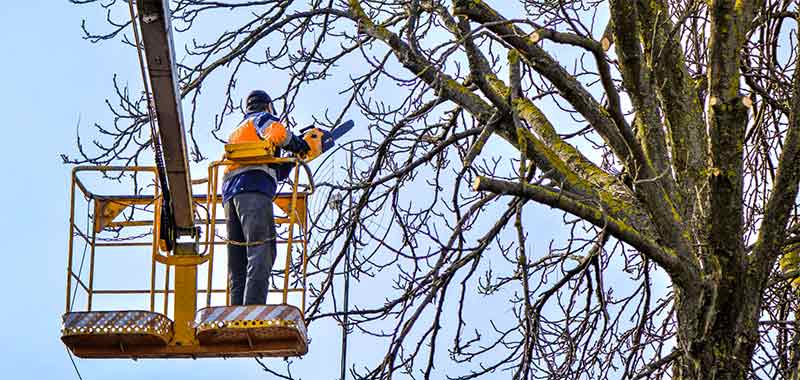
[(320, 140)]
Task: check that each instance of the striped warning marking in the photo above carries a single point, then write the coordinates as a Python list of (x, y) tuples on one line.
[(255, 318), (118, 323)]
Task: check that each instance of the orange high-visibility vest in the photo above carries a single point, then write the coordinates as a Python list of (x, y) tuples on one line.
[(256, 127)]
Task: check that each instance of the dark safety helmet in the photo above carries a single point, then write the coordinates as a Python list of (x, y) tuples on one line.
[(257, 100)]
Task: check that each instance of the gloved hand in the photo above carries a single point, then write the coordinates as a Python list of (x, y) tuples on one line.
[(297, 145)]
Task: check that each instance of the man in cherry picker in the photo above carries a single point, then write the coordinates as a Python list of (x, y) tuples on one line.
[(247, 192)]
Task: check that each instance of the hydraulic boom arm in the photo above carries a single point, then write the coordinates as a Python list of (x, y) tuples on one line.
[(154, 20)]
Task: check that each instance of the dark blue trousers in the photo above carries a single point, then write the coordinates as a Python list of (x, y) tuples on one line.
[(250, 219)]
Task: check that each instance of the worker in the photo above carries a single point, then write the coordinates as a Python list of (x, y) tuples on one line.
[(247, 192)]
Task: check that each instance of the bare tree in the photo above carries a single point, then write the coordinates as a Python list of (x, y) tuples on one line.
[(665, 130)]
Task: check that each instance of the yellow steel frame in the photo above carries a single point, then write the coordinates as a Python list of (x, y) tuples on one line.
[(186, 262), (91, 240)]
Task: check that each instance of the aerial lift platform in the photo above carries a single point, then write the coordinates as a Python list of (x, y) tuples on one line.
[(181, 243)]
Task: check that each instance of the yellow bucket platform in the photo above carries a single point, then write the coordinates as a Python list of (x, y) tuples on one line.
[(224, 331)]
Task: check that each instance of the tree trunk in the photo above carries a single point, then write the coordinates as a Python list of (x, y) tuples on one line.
[(724, 349)]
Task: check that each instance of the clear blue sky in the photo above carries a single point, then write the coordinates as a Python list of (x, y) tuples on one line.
[(51, 77)]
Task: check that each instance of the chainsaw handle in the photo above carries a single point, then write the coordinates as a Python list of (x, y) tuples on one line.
[(306, 129)]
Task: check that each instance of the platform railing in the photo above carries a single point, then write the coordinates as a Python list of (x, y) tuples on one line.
[(208, 244), (90, 235)]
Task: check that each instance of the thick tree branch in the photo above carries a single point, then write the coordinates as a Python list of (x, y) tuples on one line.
[(580, 174), (727, 122), (618, 135), (784, 192), (683, 110), (680, 272), (537, 151), (638, 80), (603, 68)]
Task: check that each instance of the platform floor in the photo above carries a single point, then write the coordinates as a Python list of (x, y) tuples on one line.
[(225, 331)]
